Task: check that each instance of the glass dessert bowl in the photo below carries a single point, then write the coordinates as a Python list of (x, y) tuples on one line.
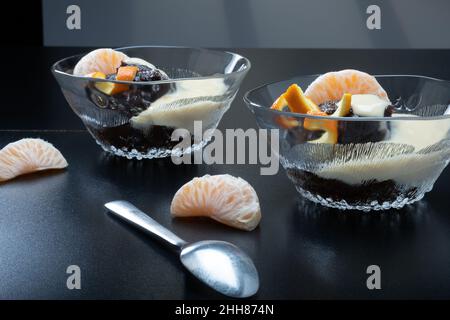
[(132, 99), (375, 145)]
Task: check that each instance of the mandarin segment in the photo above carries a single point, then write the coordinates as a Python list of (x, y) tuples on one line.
[(27, 156), (100, 60), (224, 198), (331, 86)]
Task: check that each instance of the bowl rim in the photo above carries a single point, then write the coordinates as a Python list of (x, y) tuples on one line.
[(143, 83), (251, 104)]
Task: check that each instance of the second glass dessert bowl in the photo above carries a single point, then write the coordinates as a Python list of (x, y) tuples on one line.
[(136, 117), (366, 163)]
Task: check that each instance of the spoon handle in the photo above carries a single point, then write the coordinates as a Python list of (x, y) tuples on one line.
[(136, 217)]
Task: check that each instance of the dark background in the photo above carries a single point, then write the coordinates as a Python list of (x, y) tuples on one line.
[(301, 250), (21, 24)]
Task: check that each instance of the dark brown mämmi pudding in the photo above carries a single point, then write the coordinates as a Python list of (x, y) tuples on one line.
[(366, 192), (131, 101), (362, 164)]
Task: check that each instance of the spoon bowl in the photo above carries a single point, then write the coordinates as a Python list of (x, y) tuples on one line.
[(222, 266)]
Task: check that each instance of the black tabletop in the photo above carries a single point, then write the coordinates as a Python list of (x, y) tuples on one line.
[(49, 221)]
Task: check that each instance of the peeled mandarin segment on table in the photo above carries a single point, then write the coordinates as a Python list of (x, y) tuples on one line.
[(224, 198), (27, 156)]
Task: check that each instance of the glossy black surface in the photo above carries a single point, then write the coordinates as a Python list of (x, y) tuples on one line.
[(49, 221)]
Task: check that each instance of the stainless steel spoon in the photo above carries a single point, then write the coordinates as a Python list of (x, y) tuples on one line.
[(219, 264)]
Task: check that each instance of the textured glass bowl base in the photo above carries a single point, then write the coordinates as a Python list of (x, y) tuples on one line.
[(398, 203), (152, 153)]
